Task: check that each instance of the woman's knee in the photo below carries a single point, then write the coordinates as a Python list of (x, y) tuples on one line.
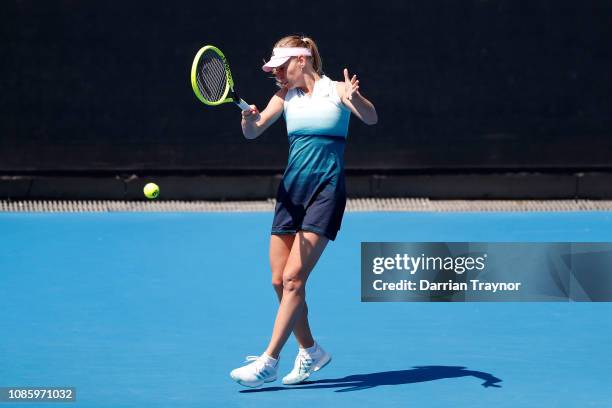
[(280, 248), (277, 283), (277, 279), (293, 282)]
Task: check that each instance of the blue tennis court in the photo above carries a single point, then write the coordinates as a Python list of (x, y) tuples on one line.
[(155, 309)]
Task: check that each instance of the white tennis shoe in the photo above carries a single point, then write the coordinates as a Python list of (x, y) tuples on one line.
[(260, 370), (306, 364)]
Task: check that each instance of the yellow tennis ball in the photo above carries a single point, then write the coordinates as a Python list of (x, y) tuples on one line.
[(151, 191)]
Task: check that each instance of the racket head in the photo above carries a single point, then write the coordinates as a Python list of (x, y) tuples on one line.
[(211, 78)]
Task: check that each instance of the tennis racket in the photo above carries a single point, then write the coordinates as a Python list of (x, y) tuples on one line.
[(211, 78)]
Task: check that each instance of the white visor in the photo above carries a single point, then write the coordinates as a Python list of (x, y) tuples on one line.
[(282, 55)]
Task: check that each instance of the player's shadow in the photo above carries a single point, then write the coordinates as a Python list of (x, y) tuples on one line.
[(364, 381)]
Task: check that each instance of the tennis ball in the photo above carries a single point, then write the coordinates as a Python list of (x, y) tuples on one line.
[(151, 191)]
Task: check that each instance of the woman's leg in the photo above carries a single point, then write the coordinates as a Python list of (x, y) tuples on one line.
[(280, 248), (305, 251)]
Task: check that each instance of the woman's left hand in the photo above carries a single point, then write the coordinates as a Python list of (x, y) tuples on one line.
[(351, 86)]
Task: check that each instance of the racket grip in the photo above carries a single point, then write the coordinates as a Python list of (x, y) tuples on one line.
[(243, 105)]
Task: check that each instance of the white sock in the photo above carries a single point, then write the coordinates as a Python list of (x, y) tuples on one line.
[(269, 360), (310, 350)]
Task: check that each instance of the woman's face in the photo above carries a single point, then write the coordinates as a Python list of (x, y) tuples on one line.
[(289, 75)]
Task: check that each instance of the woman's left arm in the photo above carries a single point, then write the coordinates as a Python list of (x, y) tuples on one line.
[(349, 94)]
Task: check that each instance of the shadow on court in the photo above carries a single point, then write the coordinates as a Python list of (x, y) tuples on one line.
[(364, 381)]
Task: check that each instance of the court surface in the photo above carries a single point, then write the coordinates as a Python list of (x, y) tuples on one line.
[(155, 309)]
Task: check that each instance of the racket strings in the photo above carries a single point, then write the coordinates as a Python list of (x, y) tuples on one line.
[(211, 77)]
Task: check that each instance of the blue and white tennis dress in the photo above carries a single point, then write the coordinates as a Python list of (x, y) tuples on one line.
[(312, 194)]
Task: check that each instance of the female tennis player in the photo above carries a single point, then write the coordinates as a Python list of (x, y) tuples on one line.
[(311, 196)]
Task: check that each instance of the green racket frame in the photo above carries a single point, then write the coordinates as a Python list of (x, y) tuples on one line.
[(229, 94)]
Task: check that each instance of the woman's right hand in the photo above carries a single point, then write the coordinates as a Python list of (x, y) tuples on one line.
[(251, 115)]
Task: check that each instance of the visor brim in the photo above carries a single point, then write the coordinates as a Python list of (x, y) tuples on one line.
[(274, 62)]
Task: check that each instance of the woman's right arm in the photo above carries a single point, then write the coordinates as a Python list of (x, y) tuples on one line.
[(255, 123)]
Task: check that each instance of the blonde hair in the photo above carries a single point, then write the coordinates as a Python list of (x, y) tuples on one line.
[(304, 42)]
